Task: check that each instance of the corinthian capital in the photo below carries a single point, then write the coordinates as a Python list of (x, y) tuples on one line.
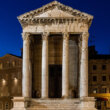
[(65, 36), (45, 36), (85, 36), (25, 36)]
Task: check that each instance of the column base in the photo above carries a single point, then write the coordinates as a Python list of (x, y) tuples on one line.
[(65, 97), (87, 103), (44, 98), (20, 103)]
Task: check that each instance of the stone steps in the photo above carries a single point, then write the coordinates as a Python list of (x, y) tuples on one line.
[(86, 103), (53, 108), (54, 104)]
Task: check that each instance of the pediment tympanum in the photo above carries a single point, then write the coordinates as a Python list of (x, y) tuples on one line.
[(52, 11), (55, 13)]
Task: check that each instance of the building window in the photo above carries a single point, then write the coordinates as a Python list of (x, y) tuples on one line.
[(104, 90), (13, 63), (95, 90), (109, 78), (19, 75), (13, 75), (1, 65), (94, 78), (19, 89), (8, 64), (94, 67), (103, 67), (1, 105), (105, 104), (6, 106), (98, 104), (0, 77), (109, 90), (103, 78)]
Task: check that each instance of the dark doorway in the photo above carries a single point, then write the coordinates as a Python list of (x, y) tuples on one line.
[(55, 81)]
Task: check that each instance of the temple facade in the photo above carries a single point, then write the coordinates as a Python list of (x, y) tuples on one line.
[(55, 59)]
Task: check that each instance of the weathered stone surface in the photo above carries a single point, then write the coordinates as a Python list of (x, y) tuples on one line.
[(54, 104), (73, 68), (43, 47), (20, 103)]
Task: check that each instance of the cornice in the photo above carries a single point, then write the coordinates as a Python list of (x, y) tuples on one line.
[(47, 20)]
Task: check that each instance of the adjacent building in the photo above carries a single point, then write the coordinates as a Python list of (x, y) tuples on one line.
[(99, 78), (10, 80)]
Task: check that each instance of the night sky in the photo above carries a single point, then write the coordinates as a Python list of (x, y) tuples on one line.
[(10, 29)]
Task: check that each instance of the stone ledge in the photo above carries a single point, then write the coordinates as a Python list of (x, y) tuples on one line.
[(87, 102), (20, 102), (20, 99), (87, 99)]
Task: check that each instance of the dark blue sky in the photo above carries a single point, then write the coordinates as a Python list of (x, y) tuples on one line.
[(10, 29)]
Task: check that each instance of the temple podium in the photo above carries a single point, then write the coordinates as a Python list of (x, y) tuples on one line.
[(55, 59)]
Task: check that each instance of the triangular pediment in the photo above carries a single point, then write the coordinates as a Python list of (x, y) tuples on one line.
[(54, 13), (54, 9)]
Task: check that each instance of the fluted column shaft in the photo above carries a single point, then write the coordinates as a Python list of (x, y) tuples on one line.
[(27, 73), (44, 87), (84, 66), (65, 74)]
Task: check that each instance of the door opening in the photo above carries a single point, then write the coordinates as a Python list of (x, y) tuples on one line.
[(55, 81)]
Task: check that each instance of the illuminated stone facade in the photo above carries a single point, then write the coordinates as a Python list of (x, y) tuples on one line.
[(99, 79), (10, 80)]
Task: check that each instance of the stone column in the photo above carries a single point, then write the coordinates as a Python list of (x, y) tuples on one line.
[(84, 65), (73, 68), (65, 74), (44, 87), (27, 73)]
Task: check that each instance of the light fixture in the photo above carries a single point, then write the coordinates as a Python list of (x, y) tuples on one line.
[(4, 81), (94, 91), (15, 80)]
